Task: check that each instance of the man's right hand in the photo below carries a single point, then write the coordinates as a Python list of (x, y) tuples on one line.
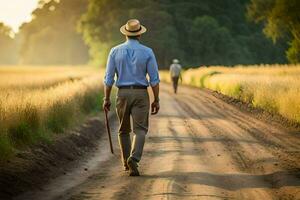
[(106, 104)]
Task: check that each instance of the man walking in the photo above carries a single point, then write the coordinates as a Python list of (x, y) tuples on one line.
[(131, 62), (175, 70)]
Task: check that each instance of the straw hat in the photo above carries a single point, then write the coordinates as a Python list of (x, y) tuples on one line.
[(133, 28)]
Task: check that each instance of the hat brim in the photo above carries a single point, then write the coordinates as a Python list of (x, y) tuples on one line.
[(127, 33)]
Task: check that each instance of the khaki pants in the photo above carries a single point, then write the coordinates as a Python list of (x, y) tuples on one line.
[(132, 103)]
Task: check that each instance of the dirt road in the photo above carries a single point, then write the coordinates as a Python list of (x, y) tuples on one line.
[(198, 147)]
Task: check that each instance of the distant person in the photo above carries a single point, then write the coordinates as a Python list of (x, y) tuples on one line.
[(175, 72), (131, 62)]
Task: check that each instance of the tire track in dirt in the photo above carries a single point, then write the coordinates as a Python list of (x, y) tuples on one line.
[(198, 147), (278, 147), (231, 144), (278, 136), (227, 141)]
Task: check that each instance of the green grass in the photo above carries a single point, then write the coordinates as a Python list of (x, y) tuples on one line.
[(6, 150)]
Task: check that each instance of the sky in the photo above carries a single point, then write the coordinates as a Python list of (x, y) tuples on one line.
[(14, 12)]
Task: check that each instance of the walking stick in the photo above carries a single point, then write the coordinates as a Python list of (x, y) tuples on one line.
[(108, 131)]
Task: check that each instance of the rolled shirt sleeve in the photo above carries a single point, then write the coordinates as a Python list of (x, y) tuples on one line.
[(109, 78), (152, 70)]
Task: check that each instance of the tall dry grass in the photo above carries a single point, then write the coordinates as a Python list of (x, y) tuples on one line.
[(275, 88), (28, 77), (38, 102)]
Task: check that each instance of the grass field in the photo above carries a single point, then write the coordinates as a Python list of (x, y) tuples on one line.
[(275, 88), (37, 102)]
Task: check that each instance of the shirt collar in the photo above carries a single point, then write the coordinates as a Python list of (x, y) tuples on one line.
[(132, 41)]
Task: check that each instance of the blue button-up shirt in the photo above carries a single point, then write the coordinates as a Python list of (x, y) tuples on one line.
[(131, 62)]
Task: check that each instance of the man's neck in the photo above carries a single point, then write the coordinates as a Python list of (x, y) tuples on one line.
[(129, 40)]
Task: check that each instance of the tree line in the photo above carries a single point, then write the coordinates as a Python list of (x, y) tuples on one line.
[(8, 53), (206, 32), (51, 37)]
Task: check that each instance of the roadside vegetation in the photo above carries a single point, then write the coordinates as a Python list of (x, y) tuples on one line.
[(36, 103), (275, 88)]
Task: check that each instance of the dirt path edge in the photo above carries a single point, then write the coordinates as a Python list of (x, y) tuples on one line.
[(271, 118), (35, 167)]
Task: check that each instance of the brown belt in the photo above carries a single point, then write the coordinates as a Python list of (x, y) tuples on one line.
[(133, 87)]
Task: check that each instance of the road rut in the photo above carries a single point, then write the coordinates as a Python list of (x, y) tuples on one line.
[(198, 147)]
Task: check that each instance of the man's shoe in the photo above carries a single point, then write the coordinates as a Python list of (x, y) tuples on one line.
[(133, 167)]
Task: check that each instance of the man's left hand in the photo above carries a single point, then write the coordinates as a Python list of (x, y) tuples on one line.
[(154, 108)]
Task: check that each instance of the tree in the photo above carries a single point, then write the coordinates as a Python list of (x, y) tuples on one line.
[(162, 35), (211, 43), (8, 49), (100, 27), (196, 32), (51, 37), (282, 20)]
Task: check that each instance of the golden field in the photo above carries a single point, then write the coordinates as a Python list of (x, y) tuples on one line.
[(275, 88), (36, 102)]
